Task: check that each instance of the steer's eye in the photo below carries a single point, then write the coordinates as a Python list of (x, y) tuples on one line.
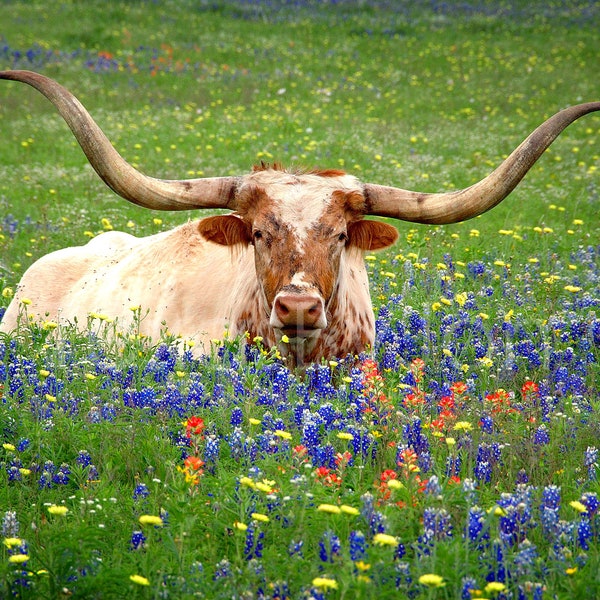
[(257, 235), (343, 237)]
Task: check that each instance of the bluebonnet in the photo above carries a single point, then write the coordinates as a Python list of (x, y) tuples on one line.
[(357, 545), (141, 491), (10, 525), (138, 540), (253, 544), (329, 547)]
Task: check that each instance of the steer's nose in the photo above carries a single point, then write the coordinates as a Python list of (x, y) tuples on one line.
[(299, 312)]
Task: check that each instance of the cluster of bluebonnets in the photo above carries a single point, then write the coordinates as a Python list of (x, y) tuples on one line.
[(461, 413)]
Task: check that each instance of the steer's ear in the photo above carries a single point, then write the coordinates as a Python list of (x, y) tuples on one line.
[(226, 230), (371, 235)]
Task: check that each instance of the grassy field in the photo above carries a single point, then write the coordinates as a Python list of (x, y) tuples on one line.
[(460, 460)]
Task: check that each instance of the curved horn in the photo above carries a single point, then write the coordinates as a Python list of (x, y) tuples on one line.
[(115, 171), (452, 207)]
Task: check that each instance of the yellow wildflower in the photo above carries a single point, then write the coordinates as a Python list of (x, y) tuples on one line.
[(462, 426), (332, 509), (578, 506), (139, 580), (18, 559), (383, 539), (325, 583), (262, 486), (432, 580), (349, 510), (248, 482), (60, 511), (151, 520), (394, 484), (260, 517)]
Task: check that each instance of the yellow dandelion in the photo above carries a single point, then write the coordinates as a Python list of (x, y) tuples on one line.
[(284, 435), (332, 509), (394, 484), (349, 510), (18, 559), (9, 447), (260, 517), (151, 520), (578, 506), (462, 426), (494, 587), (344, 435), (461, 298), (498, 511), (248, 482), (362, 566), (139, 580), (262, 486), (325, 583), (12, 542), (59, 511), (383, 539), (432, 580), (240, 526)]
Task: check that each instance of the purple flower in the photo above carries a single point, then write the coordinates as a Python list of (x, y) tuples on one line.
[(138, 539), (541, 437)]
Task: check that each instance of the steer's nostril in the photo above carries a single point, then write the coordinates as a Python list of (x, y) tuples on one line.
[(315, 309), (299, 312), (281, 308)]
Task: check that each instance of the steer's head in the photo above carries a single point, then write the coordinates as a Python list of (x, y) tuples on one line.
[(300, 225)]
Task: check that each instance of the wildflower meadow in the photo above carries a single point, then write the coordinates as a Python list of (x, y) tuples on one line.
[(458, 459)]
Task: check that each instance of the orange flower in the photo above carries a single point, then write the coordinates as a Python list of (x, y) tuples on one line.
[(194, 425), (193, 463)]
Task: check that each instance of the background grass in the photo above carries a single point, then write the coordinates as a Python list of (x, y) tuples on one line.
[(428, 97)]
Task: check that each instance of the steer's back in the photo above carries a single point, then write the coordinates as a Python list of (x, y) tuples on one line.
[(175, 277)]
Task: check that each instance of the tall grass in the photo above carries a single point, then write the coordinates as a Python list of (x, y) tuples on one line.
[(460, 459)]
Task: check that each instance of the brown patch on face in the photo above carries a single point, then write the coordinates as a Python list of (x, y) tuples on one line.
[(352, 204)]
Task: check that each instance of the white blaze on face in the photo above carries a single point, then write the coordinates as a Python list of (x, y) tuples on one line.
[(298, 280), (299, 200), (301, 213)]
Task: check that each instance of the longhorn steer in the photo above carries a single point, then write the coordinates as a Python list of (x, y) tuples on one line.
[(286, 265)]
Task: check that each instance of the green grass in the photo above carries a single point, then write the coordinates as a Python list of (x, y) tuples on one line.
[(423, 97)]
